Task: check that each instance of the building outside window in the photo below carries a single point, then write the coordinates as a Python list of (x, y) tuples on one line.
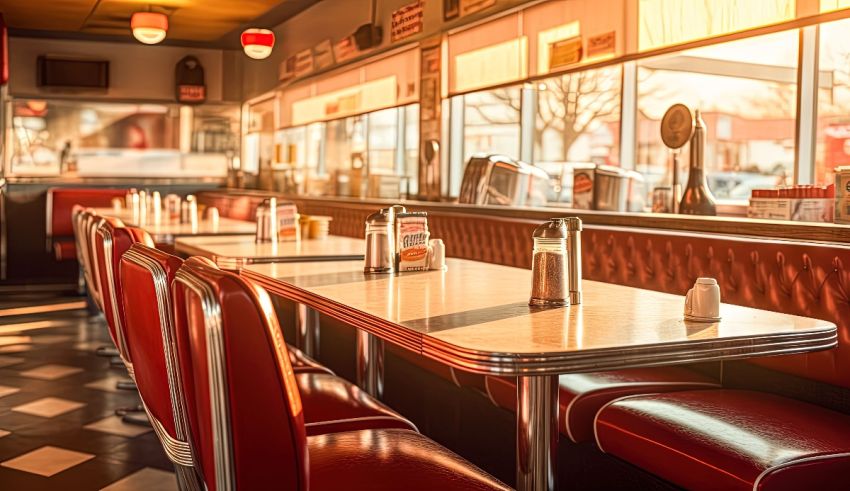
[(746, 91)]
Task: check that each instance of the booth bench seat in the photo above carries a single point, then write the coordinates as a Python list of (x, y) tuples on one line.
[(581, 395), (729, 439)]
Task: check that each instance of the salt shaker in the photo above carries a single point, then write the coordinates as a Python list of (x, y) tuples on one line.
[(549, 267), (380, 242)]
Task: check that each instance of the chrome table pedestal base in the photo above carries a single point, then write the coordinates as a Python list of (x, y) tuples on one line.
[(537, 432), (307, 330), (370, 363)]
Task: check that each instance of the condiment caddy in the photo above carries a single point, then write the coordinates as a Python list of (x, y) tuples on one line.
[(399, 241)]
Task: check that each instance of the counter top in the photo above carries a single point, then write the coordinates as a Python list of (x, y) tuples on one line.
[(728, 225)]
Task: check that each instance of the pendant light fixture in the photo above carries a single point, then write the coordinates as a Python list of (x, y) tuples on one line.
[(149, 27), (258, 43)]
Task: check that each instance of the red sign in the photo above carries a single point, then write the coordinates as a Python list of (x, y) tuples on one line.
[(191, 93)]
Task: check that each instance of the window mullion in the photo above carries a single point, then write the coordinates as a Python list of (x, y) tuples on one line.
[(807, 109)]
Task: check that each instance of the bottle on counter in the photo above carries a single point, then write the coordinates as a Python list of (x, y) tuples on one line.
[(697, 198)]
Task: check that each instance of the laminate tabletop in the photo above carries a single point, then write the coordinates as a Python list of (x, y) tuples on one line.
[(475, 316), (167, 229), (238, 251)]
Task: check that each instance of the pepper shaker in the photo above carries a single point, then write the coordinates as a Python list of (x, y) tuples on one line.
[(549, 267)]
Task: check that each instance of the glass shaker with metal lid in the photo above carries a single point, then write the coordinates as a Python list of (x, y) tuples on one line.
[(550, 265), (380, 242)]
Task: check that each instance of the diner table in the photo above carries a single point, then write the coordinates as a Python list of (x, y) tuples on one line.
[(475, 316), (166, 230), (235, 252)]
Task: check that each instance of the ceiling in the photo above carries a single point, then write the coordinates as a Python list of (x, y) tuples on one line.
[(215, 23)]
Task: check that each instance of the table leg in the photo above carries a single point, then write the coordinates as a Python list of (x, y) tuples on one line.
[(537, 432), (370, 363), (307, 330)]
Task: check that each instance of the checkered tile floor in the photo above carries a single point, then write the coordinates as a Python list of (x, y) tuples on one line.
[(57, 399)]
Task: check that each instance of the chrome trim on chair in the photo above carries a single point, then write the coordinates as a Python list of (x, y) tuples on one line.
[(178, 452), (166, 322), (219, 405), (106, 236)]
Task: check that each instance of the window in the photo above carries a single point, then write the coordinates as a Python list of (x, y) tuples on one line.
[(491, 123), (578, 119), (833, 128), (746, 91), (345, 144), (383, 140), (293, 146), (667, 22)]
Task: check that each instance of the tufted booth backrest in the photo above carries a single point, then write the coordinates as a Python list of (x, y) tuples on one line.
[(785, 276), (245, 415)]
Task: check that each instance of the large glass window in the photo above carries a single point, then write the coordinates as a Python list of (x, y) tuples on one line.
[(491, 122), (746, 91), (345, 144), (833, 128), (577, 120), (383, 141)]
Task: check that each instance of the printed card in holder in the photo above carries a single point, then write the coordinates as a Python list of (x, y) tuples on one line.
[(412, 233)]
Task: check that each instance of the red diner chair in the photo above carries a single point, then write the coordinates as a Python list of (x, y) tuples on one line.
[(330, 403), (110, 242), (246, 415)]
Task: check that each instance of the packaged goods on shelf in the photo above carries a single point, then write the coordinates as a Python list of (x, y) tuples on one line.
[(802, 203)]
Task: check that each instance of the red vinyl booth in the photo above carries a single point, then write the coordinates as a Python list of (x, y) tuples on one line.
[(60, 203)]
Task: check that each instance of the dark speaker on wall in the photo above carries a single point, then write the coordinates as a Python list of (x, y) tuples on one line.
[(72, 73), (368, 36)]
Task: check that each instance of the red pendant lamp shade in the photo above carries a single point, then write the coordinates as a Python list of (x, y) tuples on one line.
[(258, 43), (149, 27)]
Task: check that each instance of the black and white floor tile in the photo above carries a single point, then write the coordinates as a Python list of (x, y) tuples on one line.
[(58, 429)]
